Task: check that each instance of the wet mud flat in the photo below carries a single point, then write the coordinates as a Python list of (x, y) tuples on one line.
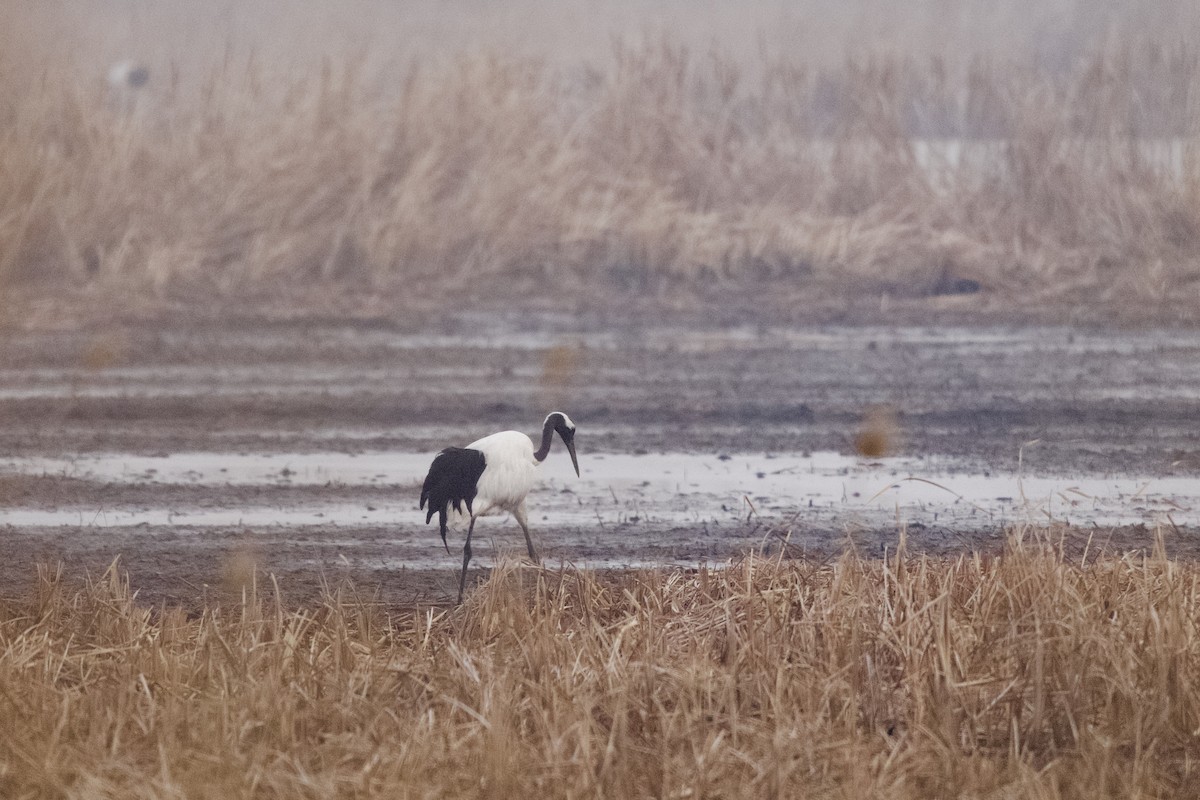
[(190, 453)]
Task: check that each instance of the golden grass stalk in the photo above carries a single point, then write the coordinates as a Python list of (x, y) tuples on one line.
[(1018, 675), (887, 174)]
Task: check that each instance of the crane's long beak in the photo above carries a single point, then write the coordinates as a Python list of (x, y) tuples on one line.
[(570, 443)]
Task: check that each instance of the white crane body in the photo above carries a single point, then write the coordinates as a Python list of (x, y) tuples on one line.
[(510, 473)]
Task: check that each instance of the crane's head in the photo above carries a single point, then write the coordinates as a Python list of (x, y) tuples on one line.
[(561, 423)]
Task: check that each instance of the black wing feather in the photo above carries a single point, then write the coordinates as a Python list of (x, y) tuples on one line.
[(453, 479)]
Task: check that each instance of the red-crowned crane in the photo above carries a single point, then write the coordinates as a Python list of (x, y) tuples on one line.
[(491, 476)]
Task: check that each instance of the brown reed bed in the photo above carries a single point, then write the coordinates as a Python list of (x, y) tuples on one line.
[(659, 165), (1022, 674)]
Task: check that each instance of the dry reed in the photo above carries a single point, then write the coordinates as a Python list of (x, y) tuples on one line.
[(661, 162), (1024, 674)]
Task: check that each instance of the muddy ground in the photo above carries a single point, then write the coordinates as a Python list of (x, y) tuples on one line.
[(299, 446)]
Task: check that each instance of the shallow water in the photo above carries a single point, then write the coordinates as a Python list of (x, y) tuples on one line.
[(307, 443), (653, 490)]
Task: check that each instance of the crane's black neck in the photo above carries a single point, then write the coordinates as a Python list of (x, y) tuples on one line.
[(547, 438)]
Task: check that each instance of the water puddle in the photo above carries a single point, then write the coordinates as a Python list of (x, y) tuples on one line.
[(655, 490), (223, 469)]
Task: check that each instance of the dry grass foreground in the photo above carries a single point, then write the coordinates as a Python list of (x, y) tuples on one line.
[(659, 165), (1025, 674)]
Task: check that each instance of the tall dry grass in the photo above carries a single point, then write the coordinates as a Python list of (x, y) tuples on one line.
[(660, 161), (1026, 674)]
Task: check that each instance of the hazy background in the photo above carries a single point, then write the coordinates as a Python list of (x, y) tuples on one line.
[(1026, 152), (1053, 34)]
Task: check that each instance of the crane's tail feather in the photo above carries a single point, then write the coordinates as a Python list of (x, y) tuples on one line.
[(452, 480)]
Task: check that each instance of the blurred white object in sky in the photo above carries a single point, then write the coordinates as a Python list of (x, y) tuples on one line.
[(126, 79)]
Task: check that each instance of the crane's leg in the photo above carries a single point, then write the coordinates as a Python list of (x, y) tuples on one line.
[(442, 527), (523, 521), (462, 579)]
